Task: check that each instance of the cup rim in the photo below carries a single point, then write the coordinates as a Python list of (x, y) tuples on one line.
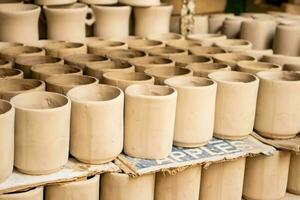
[(263, 75), (214, 74), (129, 91), (8, 111), (212, 83)]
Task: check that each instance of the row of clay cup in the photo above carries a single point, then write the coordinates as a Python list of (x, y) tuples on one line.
[(20, 21), (248, 177)]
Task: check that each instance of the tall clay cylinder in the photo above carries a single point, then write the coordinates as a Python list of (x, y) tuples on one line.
[(7, 122), (33, 194), (42, 128), (294, 175), (266, 176), (117, 186), (83, 189), (278, 104), (183, 185), (195, 110), (235, 104), (96, 123), (223, 181), (149, 121)]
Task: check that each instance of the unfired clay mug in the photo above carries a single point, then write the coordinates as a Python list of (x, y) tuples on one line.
[(7, 73), (203, 70), (294, 175), (142, 64), (32, 194)]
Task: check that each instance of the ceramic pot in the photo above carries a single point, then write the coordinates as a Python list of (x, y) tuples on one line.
[(5, 64), (195, 110), (258, 54), (234, 45), (97, 70), (63, 49), (232, 26), (291, 67), (33, 194), (223, 181), (235, 104), (140, 3), (278, 119), (149, 121), (164, 37), (72, 17), (112, 22), (12, 87), (261, 171), (82, 60), (39, 111), (7, 120), (141, 64), (202, 70), (147, 21), (206, 39), (125, 55), (253, 67), (183, 61), (19, 22), (232, 59), (87, 189), (11, 53), (102, 47), (124, 79), (4, 45), (93, 142), (284, 46), (65, 82), (280, 59), (208, 51), (264, 32), (145, 45), (44, 71), (7, 73), (294, 174), (182, 44), (117, 186), (167, 52), (183, 185), (25, 63), (215, 22), (200, 24)]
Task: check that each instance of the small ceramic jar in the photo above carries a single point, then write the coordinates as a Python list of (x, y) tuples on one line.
[(183, 44), (39, 111), (232, 59), (11, 53), (125, 55), (149, 121), (145, 45), (167, 52), (142, 64), (207, 39), (294, 175), (7, 73), (164, 37), (32, 194), (203, 70), (253, 67), (208, 51), (200, 24), (232, 26), (235, 104), (195, 111), (63, 49), (234, 45), (215, 22), (82, 60), (183, 61)]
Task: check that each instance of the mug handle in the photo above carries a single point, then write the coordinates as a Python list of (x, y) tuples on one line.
[(91, 21)]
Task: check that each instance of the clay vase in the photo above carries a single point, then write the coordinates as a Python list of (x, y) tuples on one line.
[(234, 45), (19, 22), (25, 63), (65, 82), (142, 64), (44, 71), (162, 73), (144, 45), (232, 59), (264, 32), (149, 121), (284, 46), (5, 64), (202, 70), (39, 111), (258, 54), (33, 194), (278, 119), (7, 73), (11, 53), (294, 174), (261, 171), (195, 110), (147, 21), (232, 26), (7, 121), (12, 87), (82, 60), (124, 79), (183, 61), (72, 18), (291, 67), (140, 3), (183, 185), (96, 123), (183, 44), (280, 59), (86, 188), (63, 49), (112, 22), (215, 22), (235, 104), (167, 52), (102, 47), (125, 55), (119, 186), (207, 51), (253, 67), (207, 39), (164, 37), (223, 181)]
